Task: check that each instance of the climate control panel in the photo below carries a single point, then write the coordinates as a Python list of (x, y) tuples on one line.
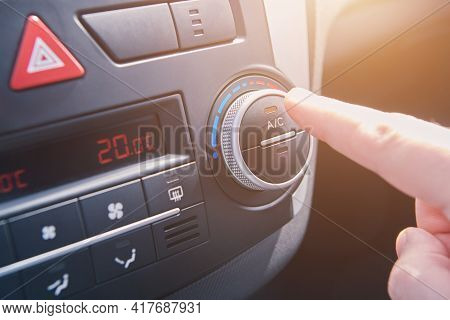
[(253, 141), (106, 180)]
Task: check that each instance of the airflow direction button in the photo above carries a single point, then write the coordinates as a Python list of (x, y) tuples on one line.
[(59, 278), (123, 254)]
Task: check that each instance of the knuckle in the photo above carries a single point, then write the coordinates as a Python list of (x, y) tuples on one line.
[(400, 281), (394, 283), (384, 132)]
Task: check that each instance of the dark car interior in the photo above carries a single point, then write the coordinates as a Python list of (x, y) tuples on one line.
[(146, 152)]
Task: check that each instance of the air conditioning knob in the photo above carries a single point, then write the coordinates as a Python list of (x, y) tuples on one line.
[(263, 148)]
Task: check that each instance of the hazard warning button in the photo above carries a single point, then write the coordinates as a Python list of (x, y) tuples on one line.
[(42, 58)]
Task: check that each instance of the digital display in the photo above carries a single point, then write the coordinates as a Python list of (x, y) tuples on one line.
[(71, 158)]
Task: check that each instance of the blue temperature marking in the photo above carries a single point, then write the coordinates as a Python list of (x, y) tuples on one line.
[(214, 132), (216, 119), (224, 102)]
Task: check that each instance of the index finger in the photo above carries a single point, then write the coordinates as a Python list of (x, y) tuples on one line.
[(411, 154)]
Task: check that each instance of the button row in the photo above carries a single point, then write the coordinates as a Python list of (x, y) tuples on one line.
[(125, 34), (139, 32), (51, 228)]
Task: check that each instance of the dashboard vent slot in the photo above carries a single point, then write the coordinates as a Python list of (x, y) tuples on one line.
[(180, 224), (181, 232)]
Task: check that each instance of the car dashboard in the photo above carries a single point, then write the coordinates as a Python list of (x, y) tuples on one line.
[(122, 174)]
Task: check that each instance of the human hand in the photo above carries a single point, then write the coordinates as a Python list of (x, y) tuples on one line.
[(411, 154)]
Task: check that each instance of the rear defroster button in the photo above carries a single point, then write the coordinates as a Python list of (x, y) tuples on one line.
[(176, 188)]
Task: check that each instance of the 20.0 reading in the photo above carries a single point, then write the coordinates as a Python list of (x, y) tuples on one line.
[(121, 147), (107, 145)]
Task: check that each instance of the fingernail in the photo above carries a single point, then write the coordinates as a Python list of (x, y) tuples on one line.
[(402, 240)]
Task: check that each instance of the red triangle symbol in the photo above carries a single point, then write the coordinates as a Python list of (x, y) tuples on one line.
[(42, 58)]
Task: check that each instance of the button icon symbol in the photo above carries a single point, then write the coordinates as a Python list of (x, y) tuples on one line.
[(276, 123), (48, 232), (43, 58), (115, 211), (59, 285), (129, 261), (176, 194)]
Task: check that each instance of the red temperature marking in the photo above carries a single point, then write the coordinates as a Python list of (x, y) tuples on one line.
[(6, 183), (105, 150), (120, 147), (126, 151), (17, 176), (138, 146), (272, 86), (12, 180)]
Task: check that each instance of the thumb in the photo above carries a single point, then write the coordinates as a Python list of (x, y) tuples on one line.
[(422, 270)]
